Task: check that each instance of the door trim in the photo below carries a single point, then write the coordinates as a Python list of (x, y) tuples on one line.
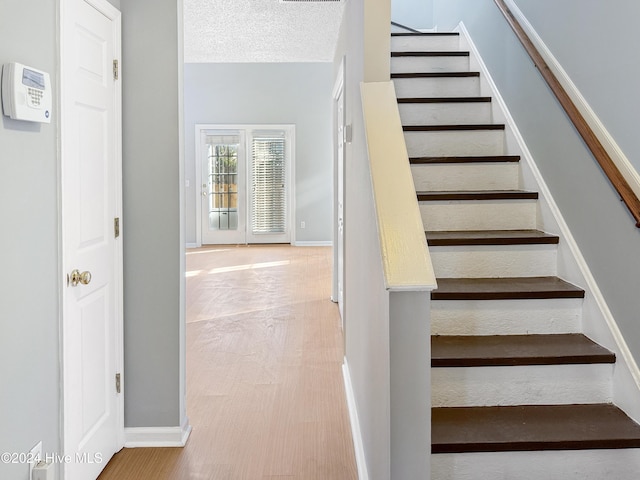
[(338, 89), (113, 14), (289, 129)]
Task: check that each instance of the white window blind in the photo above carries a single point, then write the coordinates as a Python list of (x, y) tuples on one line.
[(268, 212)]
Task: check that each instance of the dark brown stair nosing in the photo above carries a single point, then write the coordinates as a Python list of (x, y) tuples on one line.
[(425, 34), (505, 288), (531, 428), (436, 75), (490, 237), (453, 128), (445, 100), (517, 350), (476, 195), (445, 53), (465, 159)]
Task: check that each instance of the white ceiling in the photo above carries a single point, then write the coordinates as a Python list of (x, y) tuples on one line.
[(260, 30)]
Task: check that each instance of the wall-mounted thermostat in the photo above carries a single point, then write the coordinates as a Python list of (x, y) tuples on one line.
[(26, 93)]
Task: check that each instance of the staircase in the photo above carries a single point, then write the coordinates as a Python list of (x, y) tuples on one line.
[(518, 392)]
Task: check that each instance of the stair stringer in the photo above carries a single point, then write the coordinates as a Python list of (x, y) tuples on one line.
[(598, 322)]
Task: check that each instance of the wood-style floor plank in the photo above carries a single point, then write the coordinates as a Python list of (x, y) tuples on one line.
[(265, 394)]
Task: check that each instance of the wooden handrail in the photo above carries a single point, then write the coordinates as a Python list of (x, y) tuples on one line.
[(618, 181)]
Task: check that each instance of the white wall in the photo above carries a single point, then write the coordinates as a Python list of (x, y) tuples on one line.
[(269, 93)]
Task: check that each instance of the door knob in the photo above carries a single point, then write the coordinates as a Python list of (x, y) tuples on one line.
[(77, 277)]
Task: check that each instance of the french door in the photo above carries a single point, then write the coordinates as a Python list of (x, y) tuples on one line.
[(245, 184)]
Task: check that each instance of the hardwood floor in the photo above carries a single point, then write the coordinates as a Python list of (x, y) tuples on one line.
[(265, 394)]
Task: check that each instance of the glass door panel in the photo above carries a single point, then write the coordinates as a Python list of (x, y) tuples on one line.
[(269, 196), (223, 204)]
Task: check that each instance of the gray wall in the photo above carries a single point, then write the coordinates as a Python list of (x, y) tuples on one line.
[(29, 283), (153, 250), (413, 13), (603, 229), (605, 72), (366, 300), (269, 93)]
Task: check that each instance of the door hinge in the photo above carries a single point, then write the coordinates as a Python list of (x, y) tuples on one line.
[(118, 383), (115, 69), (116, 227)]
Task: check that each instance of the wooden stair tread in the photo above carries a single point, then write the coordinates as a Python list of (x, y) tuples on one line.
[(445, 100), (465, 159), (506, 288), (452, 128), (436, 75), (477, 195), (490, 237), (509, 350), (446, 53), (425, 34), (531, 427)]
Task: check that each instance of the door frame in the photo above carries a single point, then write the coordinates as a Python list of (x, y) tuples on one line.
[(339, 176), (113, 14), (289, 130)]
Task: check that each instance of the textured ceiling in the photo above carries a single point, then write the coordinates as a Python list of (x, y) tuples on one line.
[(260, 30)]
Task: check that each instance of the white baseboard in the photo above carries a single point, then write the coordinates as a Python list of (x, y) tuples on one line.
[(157, 436), (356, 434), (192, 245), (312, 243)]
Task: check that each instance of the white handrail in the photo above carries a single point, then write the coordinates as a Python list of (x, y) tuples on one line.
[(405, 255)]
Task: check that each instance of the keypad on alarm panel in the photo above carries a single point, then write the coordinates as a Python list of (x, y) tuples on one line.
[(35, 95)]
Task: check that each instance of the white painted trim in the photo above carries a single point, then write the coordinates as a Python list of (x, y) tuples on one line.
[(627, 170), (158, 436), (628, 380), (192, 245), (405, 255), (313, 243), (356, 434), (338, 90)]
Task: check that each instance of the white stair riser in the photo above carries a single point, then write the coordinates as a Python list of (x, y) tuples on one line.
[(436, 43), (506, 317), (437, 87), (468, 113), (521, 385), (455, 143), (421, 64), (441, 177), (619, 464), (484, 261), (479, 215)]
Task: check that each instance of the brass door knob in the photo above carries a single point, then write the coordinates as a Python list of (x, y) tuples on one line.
[(77, 277)]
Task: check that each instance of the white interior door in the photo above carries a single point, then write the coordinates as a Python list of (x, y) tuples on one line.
[(92, 251)]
